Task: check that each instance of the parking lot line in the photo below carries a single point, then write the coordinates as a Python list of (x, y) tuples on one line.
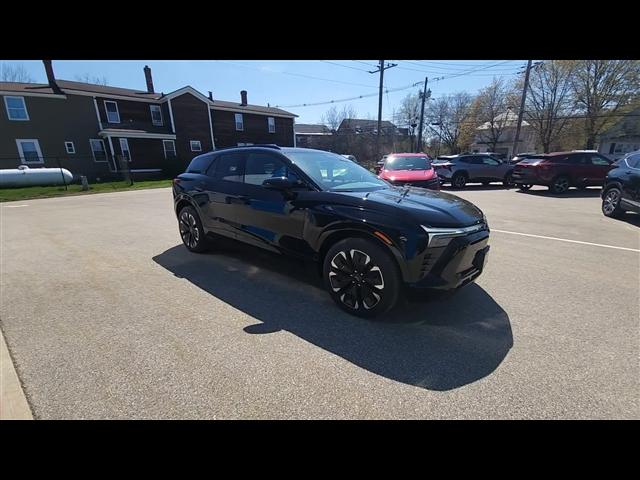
[(566, 240)]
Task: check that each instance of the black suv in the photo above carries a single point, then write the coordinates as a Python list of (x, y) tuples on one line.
[(621, 190), (368, 237)]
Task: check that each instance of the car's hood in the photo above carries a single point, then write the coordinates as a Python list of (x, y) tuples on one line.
[(407, 175), (427, 207)]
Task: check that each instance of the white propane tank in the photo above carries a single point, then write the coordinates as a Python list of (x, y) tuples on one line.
[(23, 176)]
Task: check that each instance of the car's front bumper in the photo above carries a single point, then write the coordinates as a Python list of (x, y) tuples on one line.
[(453, 266)]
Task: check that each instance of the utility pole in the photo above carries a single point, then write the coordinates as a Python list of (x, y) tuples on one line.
[(522, 102), (424, 97), (381, 69)]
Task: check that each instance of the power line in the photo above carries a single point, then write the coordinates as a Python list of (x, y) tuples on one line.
[(345, 66), (458, 67)]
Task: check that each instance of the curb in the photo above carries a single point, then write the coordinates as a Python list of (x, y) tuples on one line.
[(13, 403)]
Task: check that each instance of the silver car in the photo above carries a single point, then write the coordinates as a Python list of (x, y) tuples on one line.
[(458, 170)]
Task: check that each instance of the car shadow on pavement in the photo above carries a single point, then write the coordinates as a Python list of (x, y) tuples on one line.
[(571, 193), (434, 342)]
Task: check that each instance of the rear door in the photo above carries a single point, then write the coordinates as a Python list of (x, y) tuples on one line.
[(225, 189), (492, 169)]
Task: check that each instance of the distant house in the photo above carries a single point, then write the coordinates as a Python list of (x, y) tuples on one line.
[(313, 136), (508, 122), (361, 126), (98, 130), (622, 138)]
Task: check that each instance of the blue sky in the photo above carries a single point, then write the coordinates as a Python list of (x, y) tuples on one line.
[(287, 83)]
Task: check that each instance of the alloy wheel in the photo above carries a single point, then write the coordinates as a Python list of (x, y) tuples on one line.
[(561, 185), (611, 200), (356, 280), (189, 229)]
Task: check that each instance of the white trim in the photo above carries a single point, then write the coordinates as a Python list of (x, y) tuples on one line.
[(24, 104), (29, 94), (93, 153), (159, 107), (165, 148), (106, 112), (126, 142), (213, 143), (66, 147), (191, 142), (187, 89), (269, 119), (132, 134), (248, 110), (95, 103), (113, 154), (173, 126), (235, 118), (113, 163), (21, 152)]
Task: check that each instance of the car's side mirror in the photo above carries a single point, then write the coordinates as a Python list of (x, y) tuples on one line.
[(279, 183)]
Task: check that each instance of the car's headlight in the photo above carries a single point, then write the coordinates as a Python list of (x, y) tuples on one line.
[(440, 237)]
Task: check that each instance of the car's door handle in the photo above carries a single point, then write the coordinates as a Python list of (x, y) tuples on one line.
[(240, 199)]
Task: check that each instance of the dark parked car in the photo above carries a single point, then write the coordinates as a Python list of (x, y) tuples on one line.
[(621, 190), (561, 170), (459, 170), (368, 237), (522, 156)]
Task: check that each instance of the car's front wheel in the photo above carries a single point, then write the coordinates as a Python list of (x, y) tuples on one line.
[(560, 185), (611, 203), (361, 277), (459, 180), (191, 230)]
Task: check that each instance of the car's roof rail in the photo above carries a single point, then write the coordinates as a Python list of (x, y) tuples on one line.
[(260, 145)]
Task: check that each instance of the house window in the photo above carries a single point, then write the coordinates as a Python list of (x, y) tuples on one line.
[(169, 148), (124, 147), (156, 115), (29, 150), (98, 151), (16, 108), (69, 147), (272, 124), (239, 122), (195, 145), (113, 115)]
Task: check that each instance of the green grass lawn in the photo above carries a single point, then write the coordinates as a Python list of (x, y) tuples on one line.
[(25, 193)]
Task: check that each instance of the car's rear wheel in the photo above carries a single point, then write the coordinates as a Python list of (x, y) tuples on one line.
[(191, 230), (361, 277), (611, 203), (459, 180), (560, 184), (523, 187)]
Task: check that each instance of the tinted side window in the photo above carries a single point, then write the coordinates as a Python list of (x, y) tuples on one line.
[(199, 164), (466, 159), (598, 160), (634, 161), (261, 165), (229, 167), (490, 161)]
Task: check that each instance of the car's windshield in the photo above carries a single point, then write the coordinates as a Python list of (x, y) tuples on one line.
[(407, 163), (334, 172)]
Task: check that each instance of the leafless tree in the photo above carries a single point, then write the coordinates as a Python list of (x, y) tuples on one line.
[(494, 112), (549, 102), (601, 88), (95, 80), (451, 113), (14, 73), (334, 117)]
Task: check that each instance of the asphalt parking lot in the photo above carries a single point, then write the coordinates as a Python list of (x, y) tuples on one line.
[(107, 315)]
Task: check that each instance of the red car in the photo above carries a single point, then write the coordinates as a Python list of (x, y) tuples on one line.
[(410, 169), (561, 170)]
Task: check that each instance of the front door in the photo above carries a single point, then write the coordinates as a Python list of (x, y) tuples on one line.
[(598, 168), (271, 218)]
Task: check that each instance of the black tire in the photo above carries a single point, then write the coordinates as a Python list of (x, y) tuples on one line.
[(560, 185), (191, 231), (362, 278), (524, 187), (486, 184), (611, 203), (508, 180), (459, 180)]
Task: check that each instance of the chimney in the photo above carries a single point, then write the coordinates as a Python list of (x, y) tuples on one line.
[(210, 96), (51, 78), (147, 76), (243, 96)]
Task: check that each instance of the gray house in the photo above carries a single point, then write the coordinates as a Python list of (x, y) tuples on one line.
[(623, 137)]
